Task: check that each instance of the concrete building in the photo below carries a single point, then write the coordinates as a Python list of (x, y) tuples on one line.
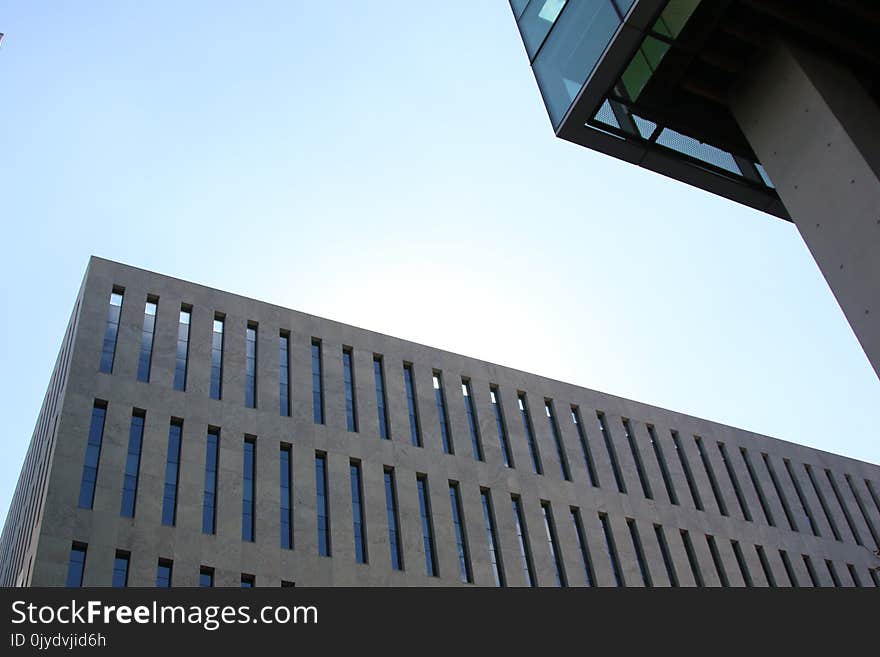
[(192, 436), (771, 103)]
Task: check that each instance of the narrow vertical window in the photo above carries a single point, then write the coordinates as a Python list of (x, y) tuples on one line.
[(557, 439), (381, 402), (692, 558), (583, 547), (393, 520), (523, 540), (800, 495), (553, 544), (716, 559), (440, 398), (661, 463), (873, 493), (637, 458), (529, 431), (849, 521), (250, 366), (350, 397), (875, 576), (206, 577), (284, 373), (611, 549), (640, 553), (93, 455), (492, 537), (132, 464), (322, 504), (247, 581), (857, 581), (172, 473), (145, 357), (710, 472), (741, 562), (506, 454), (414, 428), (832, 571), (217, 357), (120, 569), (858, 498), (782, 500), (359, 525), (286, 479), (808, 563), (427, 526), (248, 491), (111, 331), (612, 453), (686, 468), (589, 463), (473, 425), (163, 573), (667, 557), (759, 491), (464, 557), (181, 358), (76, 565), (317, 383), (765, 566), (209, 505), (822, 502), (789, 570), (731, 473)]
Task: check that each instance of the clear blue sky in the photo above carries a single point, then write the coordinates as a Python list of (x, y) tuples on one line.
[(391, 165)]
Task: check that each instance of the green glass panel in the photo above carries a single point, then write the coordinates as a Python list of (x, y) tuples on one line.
[(675, 17), (636, 75)]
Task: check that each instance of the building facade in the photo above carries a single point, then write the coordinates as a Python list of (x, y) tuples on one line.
[(773, 104), (195, 437)]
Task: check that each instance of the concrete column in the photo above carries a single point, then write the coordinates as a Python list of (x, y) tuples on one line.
[(815, 131)]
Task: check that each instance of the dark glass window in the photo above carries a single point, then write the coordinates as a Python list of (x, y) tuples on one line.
[(206, 577), (506, 454), (557, 439), (248, 491), (789, 570), (76, 565), (765, 566), (146, 354), (409, 382), (181, 360), (741, 562), (427, 526), (217, 358), (612, 453), (163, 573), (350, 397), (440, 397), (473, 425), (661, 463), (322, 505), (357, 512), (492, 537), (393, 520), (860, 503), (132, 464), (530, 433), (212, 456), (640, 553), (172, 473), (710, 472), (637, 459), (250, 367), (317, 383), (536, 21), (611, 549), (782, 499), (716, 559), (120, 570), (832, 571), (589, 463), (759, 490), (843, 507), (731, 473), (553, 544), (284, 373), (801, 499), (381, 408), (93, 455), (692, 558), (688, 475), (819, 495), (111, 331), (247, 581), (589, 576), (464, 558), (286, 497), (522, 538), (667, 557)]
